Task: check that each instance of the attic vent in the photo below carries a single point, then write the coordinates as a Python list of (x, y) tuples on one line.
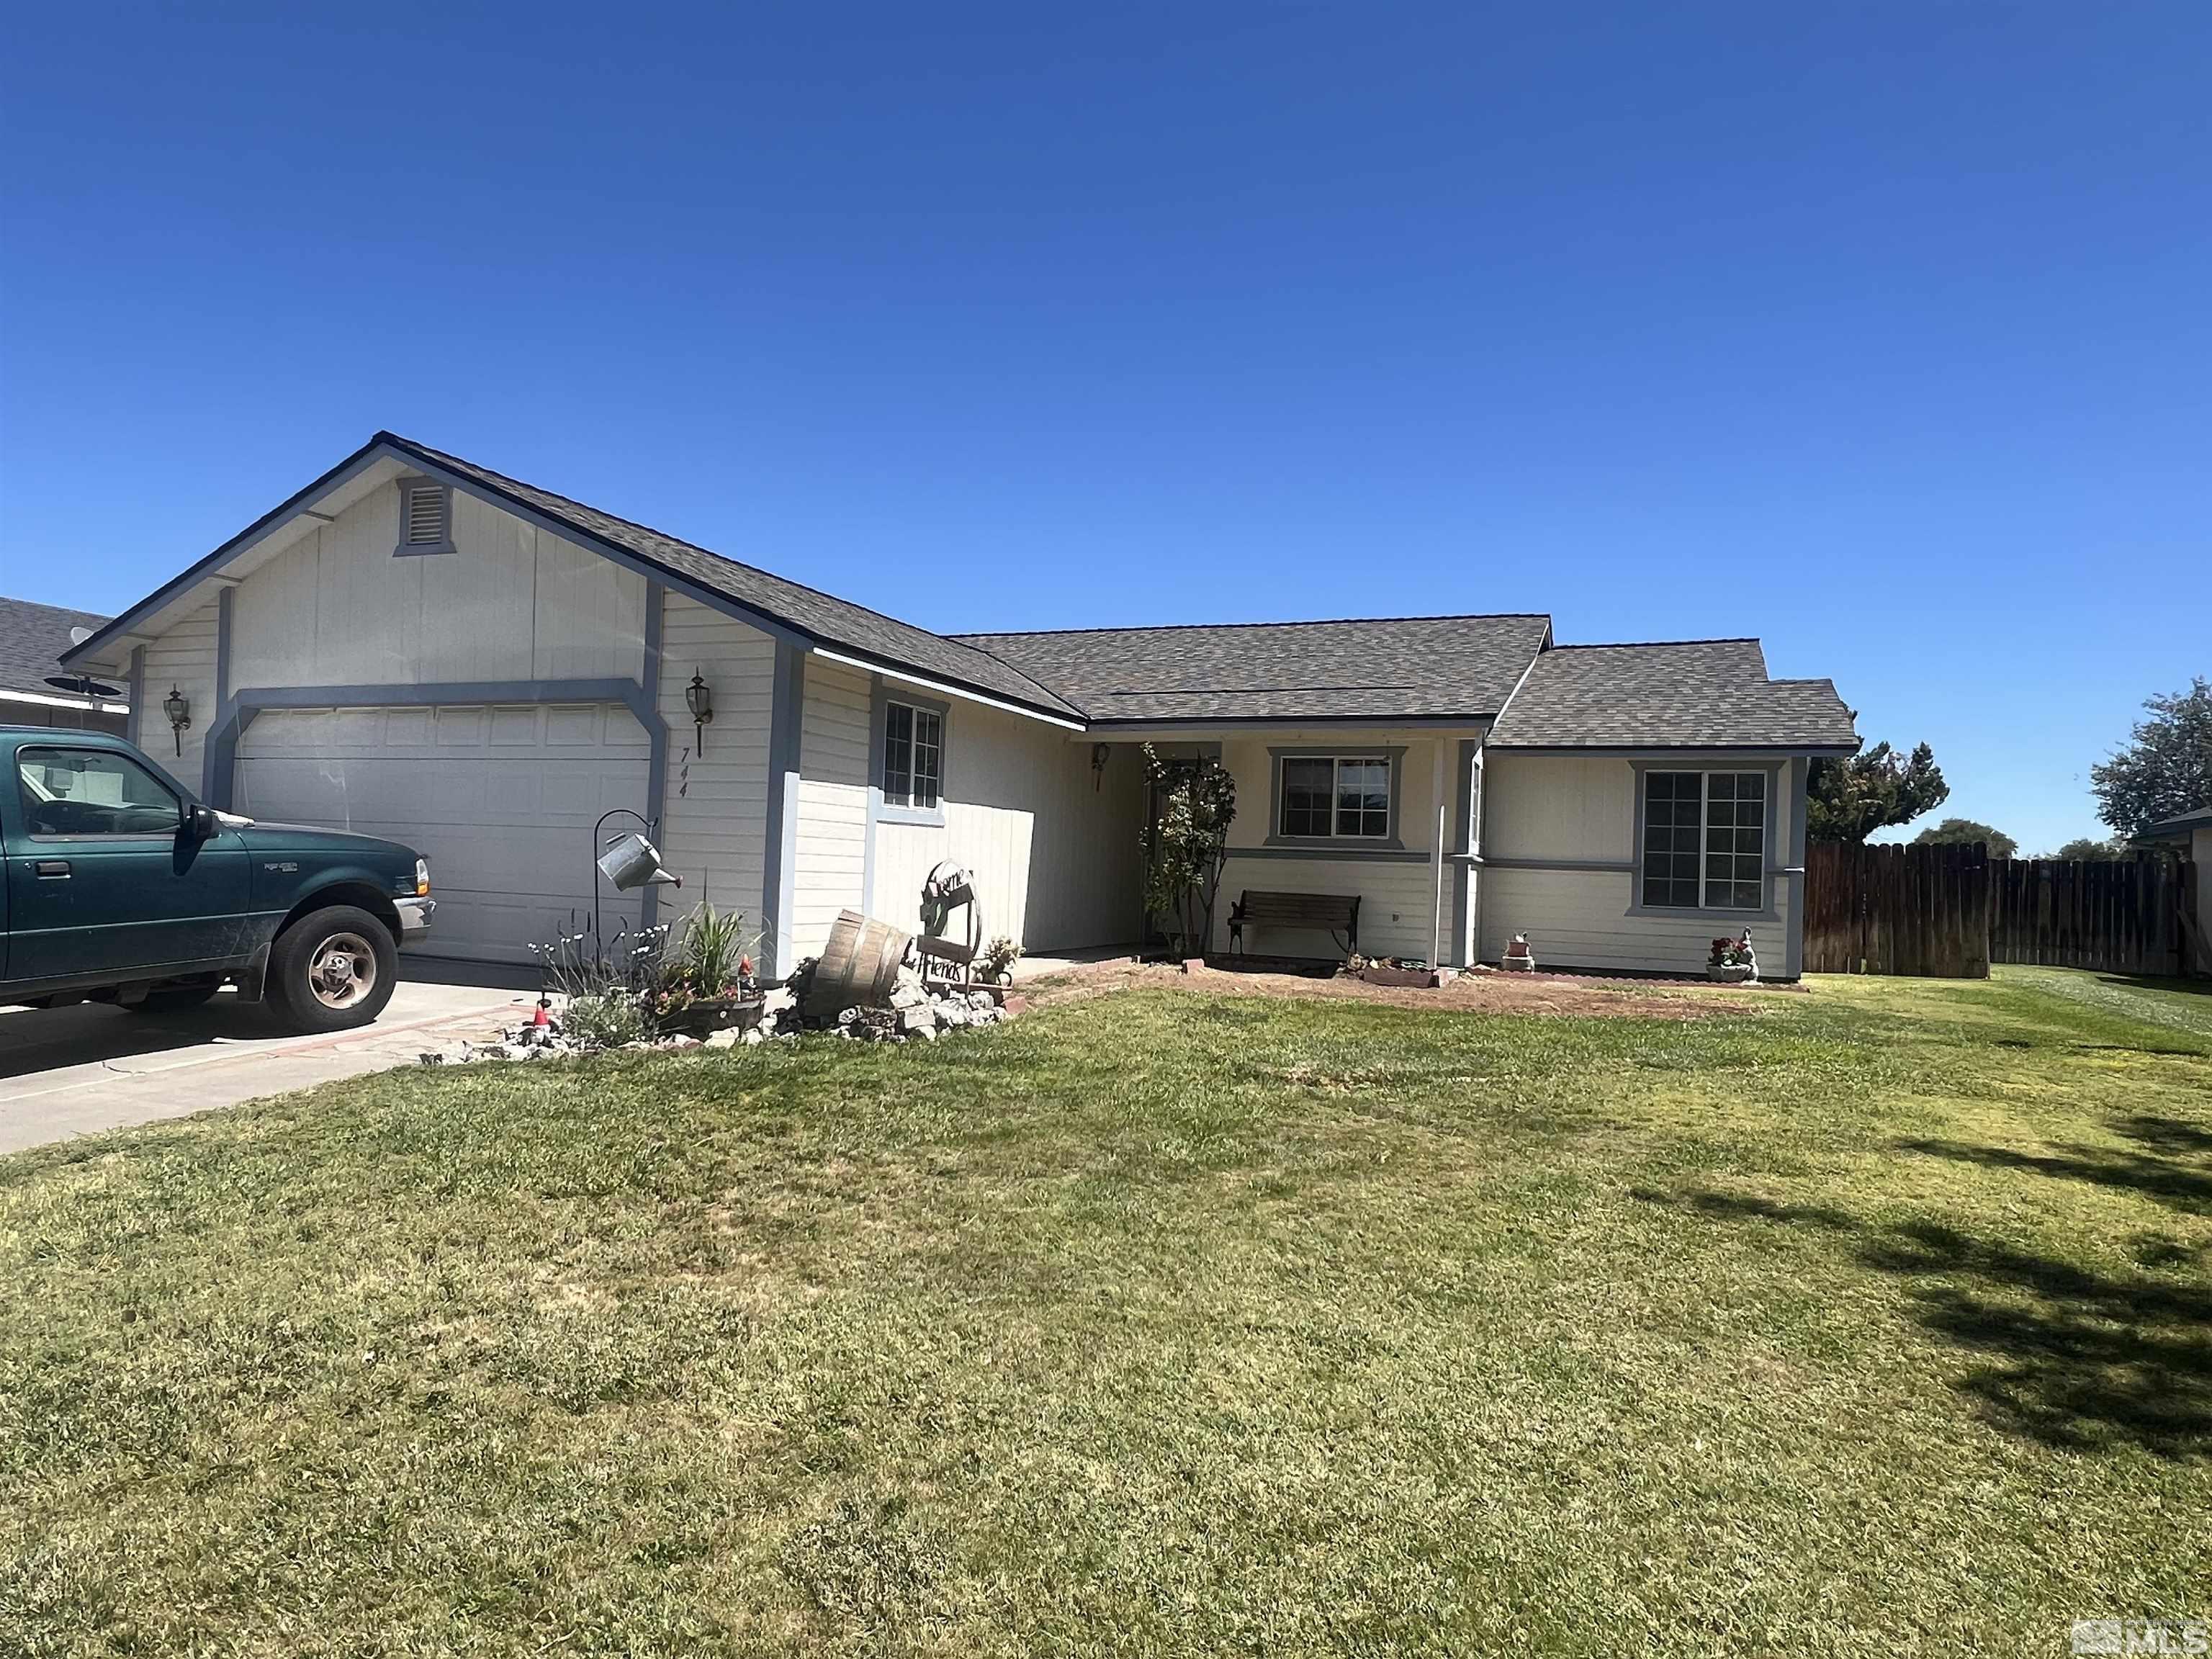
[(426, 518)]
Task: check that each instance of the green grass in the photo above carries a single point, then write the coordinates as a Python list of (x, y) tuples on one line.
[(1877, 1321)]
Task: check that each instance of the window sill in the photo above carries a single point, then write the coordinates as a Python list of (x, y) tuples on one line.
[(925, 818), (1340, 843), (1702, 914)]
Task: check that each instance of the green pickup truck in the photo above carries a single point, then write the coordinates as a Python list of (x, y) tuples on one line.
[(122, 888)]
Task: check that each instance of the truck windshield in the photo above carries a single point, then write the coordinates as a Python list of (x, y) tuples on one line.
[(92, 791)]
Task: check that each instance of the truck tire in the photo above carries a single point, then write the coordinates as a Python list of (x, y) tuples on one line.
[(172, 999), (332, 969)]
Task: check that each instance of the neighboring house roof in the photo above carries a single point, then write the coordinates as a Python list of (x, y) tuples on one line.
[(1375, 668), (31, 639), (2178, 828), (1676, 693)]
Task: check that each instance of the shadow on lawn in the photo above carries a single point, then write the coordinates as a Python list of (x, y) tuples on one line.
[(2073, 1357), (2171, 1162)]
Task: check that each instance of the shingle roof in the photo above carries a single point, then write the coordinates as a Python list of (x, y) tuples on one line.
[(2178, 828), (1373, 668), (1686, 693), (31, 639), (816, 615)]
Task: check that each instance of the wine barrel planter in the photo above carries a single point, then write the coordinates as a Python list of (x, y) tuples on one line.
[(858, 967)]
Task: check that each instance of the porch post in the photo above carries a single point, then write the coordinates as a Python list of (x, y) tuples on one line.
[(1440, 817)]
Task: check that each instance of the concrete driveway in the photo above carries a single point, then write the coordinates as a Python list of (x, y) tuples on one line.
[(67, 1072)]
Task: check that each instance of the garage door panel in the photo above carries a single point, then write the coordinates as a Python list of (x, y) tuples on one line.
[(501, 800)]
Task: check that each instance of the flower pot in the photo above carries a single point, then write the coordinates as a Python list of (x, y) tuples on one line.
[(1736, 972)]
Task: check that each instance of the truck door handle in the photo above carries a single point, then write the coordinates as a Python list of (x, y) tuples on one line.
[(51, 869)]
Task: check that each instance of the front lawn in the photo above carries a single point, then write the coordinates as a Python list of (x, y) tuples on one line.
[(1877, 1320)]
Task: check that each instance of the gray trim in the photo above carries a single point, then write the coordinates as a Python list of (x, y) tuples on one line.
[(880, 697), (1604, 867), (134, 720), (223, 600), (1392, 840), (1676, 911), (780, 830), (1347, 852), (656, 731), (1796, 776), (1464, 773), (407, 549), (1769, 829)]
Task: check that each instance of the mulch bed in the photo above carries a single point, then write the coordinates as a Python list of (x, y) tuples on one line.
[(1505, 993)]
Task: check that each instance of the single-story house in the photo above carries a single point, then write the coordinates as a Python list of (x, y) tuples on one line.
[(33, 689), (417, 646), (2191, 835)]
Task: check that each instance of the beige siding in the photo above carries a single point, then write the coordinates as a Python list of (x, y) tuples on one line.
[(1395, 903), (1579, 918), (715, 818), (514, 603), (184, 657), (830, 861), (1053, 846), (1399, 908), (1582, 808), (1578, 807)]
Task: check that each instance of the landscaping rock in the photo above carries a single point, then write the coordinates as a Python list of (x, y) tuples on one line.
[(728, 1038)]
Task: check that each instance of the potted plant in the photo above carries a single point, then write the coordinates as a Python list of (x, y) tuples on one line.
[(708, 983), (1733, 960)]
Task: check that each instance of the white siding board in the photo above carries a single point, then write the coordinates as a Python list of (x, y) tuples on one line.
[(715, 813), (1052, 846), (184, 657), (830, 861)]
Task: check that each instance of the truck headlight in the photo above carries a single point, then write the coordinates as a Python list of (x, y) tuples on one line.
[(421, 877)]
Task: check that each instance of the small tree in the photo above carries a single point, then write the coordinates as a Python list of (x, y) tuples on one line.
[(2165, 768), (1848, 800), (1965, 832), (1186, 846)]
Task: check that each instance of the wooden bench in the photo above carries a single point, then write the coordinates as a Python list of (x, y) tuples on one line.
[(1335, 913)]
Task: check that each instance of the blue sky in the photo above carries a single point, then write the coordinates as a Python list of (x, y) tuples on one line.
[(1881, 332)]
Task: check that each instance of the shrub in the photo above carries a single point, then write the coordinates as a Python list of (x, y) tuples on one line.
[(606, 1019)]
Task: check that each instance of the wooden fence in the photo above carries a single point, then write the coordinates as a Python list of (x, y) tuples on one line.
[(2125, 917), (1949, 912), (1919, 910)]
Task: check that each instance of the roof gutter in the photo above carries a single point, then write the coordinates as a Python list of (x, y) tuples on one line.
[(949, 688)]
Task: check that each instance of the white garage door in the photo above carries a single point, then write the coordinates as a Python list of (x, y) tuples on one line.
[(500, 800)]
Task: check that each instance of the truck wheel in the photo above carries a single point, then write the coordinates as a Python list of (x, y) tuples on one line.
[(172, 999), (332, 969)]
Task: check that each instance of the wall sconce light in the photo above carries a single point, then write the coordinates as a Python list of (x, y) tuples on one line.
[(1099, 754), (699, 698), (179, 707)]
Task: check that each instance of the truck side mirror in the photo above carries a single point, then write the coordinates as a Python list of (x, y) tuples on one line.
[(201, 823)]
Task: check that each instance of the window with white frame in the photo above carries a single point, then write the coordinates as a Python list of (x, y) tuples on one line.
[(1337, 796), (1704, 840), (914, 756), (426, 516)]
